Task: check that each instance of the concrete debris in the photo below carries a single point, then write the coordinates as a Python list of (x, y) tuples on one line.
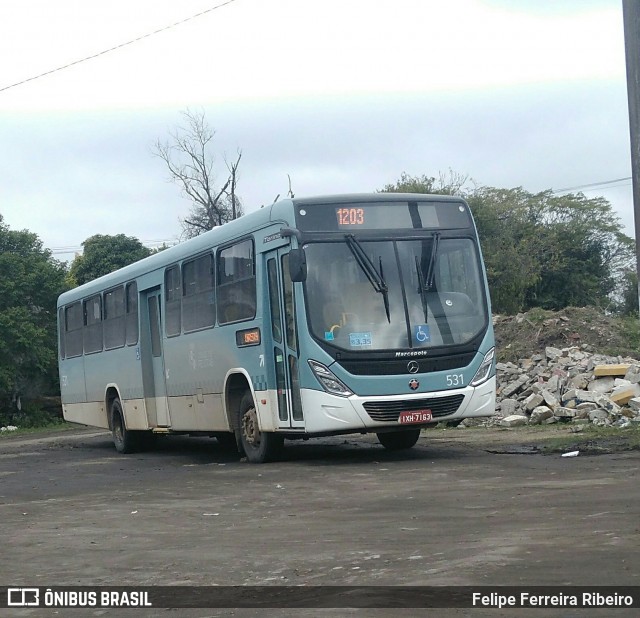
[(611, 370), (567, 385), (515, 420)]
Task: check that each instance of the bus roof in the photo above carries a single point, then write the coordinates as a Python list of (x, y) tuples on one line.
[(281, 211), (278, 212), (373, 197)]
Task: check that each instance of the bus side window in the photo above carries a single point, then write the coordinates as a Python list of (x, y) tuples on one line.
[(92, 332), (198, 306), (274, 301), (236, 283), (131, 302), (173, 298), (61, 334), (73, 330), (114, 318)]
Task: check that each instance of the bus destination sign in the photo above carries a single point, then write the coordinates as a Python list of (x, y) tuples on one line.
[(248, 337), (350, 217), (390, 215)]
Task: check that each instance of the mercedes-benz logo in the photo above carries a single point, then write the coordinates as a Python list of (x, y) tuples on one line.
[(413, 367)]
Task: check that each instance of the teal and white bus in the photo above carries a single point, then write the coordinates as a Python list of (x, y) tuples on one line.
[(310, 317)]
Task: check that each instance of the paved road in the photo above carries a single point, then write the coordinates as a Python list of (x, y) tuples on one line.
[(335, 512)]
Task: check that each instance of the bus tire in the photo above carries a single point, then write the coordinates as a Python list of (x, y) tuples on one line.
[(227, 441), (258, 446), (399, 440), (125, 440)]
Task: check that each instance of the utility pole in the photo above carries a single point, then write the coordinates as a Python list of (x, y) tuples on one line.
[(631, 18)]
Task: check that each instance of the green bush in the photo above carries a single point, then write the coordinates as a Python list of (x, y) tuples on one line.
[(31, 416)]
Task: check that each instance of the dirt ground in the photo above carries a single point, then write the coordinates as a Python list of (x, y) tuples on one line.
[(525, 334), (463, 507)]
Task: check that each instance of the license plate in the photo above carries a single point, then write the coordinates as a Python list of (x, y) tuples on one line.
[(417, 416)]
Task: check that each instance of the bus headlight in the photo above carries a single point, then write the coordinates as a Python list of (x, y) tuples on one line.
[(328, 380), (484, 371)]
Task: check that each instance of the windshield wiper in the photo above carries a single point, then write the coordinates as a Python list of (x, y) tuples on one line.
[(376, 279), (427, 283), (432, 261), (423, 289)]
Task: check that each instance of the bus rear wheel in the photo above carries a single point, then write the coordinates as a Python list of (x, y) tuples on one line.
[(399, 440), (125, 440), (258, 446)]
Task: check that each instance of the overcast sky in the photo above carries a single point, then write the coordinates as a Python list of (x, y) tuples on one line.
[(342, 95)]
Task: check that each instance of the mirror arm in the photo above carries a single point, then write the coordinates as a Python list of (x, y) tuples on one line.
[(288, 232)]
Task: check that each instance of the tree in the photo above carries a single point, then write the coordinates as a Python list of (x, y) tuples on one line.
[(509, 244), (627, 297), (542, 250), (454, 184), (103, 254), (585, 252), (191, 166), (30, 283)]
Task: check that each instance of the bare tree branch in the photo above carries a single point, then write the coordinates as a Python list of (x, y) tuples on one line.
[(191, 166)]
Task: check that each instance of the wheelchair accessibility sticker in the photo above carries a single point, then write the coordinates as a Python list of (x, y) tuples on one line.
[(421, 334)]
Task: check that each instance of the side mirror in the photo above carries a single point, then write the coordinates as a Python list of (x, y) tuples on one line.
[(298, 265)]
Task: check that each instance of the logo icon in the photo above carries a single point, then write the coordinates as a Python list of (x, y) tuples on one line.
[(23, 597), (422, 333), (413, 367), (413, 384)]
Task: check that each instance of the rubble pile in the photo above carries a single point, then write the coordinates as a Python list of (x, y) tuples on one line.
[(569, 385)]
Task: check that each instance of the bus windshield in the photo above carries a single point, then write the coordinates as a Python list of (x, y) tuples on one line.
[(405, 294)]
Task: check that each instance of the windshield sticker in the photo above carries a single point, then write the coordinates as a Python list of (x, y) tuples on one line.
[(421, 334), (359, 340), (328, 335)]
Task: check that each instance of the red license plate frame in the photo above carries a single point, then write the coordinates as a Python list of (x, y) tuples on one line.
[(415, 417)]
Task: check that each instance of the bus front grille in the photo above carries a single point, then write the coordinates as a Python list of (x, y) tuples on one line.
[(389, 411), (388, 367)]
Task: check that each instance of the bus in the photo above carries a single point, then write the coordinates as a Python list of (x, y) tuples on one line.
[(363, 313)]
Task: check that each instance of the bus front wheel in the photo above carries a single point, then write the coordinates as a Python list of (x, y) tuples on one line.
[(399, 440), (258, 446)]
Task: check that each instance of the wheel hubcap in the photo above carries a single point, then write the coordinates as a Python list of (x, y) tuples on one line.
[(250, 427), (118, 431)]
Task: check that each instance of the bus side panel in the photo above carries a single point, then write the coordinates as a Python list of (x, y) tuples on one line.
[(267, 409), (198, 412), (92, 413), (196, 364), (135, 414), (72, 389), (120, 368)]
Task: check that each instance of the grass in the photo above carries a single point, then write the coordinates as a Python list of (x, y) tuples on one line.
[(50, 428), (630, 331), (552, 439), (32, 421), (593, 440)]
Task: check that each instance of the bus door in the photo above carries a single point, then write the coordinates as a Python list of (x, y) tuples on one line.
[(285, 339), (153, 374)]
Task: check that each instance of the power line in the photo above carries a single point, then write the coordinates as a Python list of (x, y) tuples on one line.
[(592, 184), (147, 243), (120, 46)]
